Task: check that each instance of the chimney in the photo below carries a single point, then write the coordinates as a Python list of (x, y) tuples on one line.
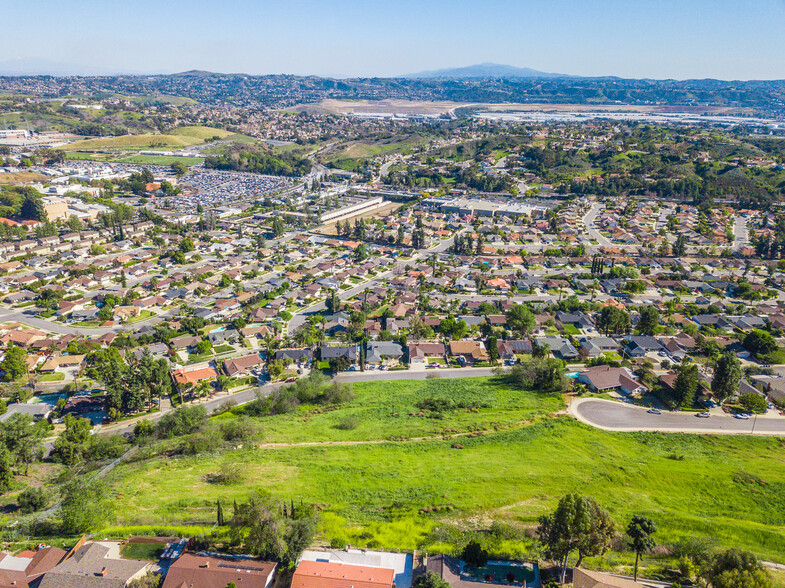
[(103, 572)]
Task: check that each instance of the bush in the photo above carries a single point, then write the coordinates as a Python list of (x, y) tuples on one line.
[(182, 421), (238, 429), (201, 442), (338, 543), (31, 500), (229, 473), (337, 393), (348, 423), (109, 447), (474, 555), (143, 428)]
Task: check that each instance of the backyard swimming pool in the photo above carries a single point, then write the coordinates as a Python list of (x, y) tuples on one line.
[(504, 572)]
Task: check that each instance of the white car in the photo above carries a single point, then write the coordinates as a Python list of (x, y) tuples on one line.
[(742, 415), (654, 411), (702, 415)]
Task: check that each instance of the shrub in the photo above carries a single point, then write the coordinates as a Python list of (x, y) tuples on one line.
[(229, 473), (31, 500), (238, 429), (201, 442), (182, 421), (348, 423), (474, 555)]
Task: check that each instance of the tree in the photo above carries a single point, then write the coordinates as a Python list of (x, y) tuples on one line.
[(541, 374), (491, 344), (600, 534), (520, 320), (754, 403), (727, 375), (735, 568), (333, 302), (474, 555), (278, 226), (430, 580), (72, 444), (613, 321), (31, 499), (6, 469), (14, 363), (680, 246), (649, 320), (186, 245), (266, 528), (686, 385), (640, 531), (760, 343), (360, 253), (219, 515), (84, 504), (562, 531), (33, 209), (179, 168), (23, 438)]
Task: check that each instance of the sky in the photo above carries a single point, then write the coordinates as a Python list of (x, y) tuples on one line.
[(725, 39)]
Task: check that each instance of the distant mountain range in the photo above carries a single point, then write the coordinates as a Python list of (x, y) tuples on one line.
[(483, 71)]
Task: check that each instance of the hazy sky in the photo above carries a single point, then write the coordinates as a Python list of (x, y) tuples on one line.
[(729, 39)]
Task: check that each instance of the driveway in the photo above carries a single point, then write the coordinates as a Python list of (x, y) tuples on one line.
[(615, 416)]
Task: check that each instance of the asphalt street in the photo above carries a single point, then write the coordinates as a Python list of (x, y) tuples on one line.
[(615, 416)]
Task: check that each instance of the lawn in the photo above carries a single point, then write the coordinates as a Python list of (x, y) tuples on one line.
[(726, 488), (55, 377), (143, 316), (145, 551)]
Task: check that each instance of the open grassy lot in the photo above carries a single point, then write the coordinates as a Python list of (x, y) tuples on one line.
[(178, 138), (143, 141), (384, 410), (402, 494), (201, 133)]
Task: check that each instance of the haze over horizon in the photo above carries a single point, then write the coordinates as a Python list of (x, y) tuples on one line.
[(723, 39)]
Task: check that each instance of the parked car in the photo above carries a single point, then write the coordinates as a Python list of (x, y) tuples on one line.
[(290, 380), (742, 415), (654, 411), (703, 415)]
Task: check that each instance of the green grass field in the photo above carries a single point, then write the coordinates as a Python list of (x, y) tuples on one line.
[(178, 138), (726, 488)]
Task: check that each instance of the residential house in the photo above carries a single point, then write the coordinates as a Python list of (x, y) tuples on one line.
[(604, 378), (577, 319), (242, 366), (596, 346), (199, 571), (469, 352), (302, 355), (419, 353), (192, 375), (377, 352), (640, 345), (559, 346), (328, 352), (320, 574), (94, 566)]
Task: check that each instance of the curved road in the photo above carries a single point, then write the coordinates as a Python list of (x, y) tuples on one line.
[(615, 416)]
